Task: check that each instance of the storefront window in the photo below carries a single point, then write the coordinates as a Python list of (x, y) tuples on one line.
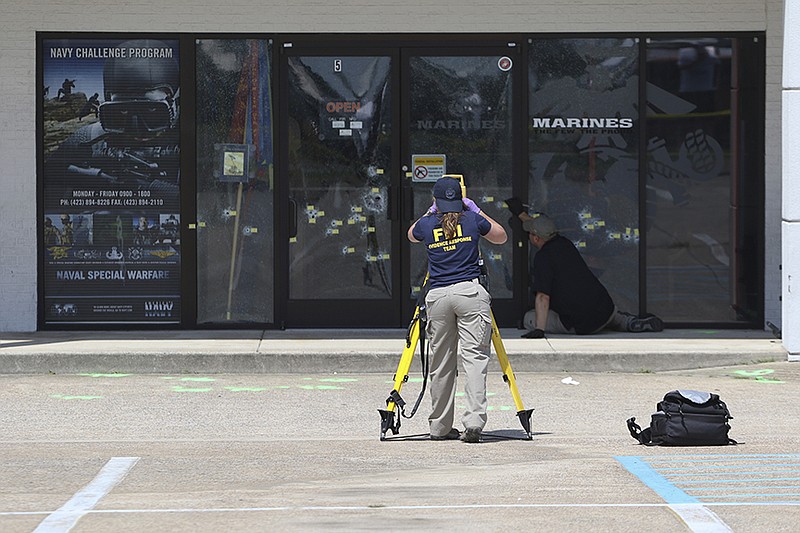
[(111, 181), (583, 147), (647, 152), (235, 203), (691, 256)]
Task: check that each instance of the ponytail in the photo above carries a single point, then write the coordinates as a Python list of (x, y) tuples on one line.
[(449, 224)]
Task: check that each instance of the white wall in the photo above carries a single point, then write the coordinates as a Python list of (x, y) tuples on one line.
[(791, 181), (20, 20)]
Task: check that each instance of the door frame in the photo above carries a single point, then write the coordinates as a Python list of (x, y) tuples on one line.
[(354, 313), (365, 313)]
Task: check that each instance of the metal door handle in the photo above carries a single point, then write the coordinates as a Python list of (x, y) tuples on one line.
[(292, 218), (394, 203), (408, 203)]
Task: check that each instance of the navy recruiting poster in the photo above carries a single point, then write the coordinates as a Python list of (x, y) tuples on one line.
[(111, 180)]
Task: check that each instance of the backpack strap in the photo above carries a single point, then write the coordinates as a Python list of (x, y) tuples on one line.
[(643, 436)]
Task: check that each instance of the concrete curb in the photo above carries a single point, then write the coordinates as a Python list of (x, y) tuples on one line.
[(373, 351), (354, 363)]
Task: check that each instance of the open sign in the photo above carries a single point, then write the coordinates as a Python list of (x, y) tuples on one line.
[(342, 107)]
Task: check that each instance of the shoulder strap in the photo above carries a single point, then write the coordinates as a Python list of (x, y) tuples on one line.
[(643, 436)]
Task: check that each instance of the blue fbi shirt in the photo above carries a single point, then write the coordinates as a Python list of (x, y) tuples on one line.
[(454, 260)]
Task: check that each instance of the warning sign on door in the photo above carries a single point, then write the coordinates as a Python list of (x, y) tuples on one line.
[(428, 167)]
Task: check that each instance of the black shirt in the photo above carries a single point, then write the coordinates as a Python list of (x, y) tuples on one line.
[(575, 293)]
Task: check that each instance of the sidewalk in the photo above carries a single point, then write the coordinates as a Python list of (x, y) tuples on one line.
[(365, 351)]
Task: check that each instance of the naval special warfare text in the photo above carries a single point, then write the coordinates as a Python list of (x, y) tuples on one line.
[(119, 275), (110, 52)]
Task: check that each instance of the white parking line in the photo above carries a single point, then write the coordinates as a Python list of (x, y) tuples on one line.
[(407, 507), (65, 518)]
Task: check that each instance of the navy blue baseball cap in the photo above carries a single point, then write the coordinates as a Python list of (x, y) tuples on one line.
[(447, 192)]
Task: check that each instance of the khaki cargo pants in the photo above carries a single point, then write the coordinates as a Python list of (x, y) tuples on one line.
[(459, 321)]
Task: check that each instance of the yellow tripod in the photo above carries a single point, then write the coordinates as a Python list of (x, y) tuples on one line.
[(390, 417)]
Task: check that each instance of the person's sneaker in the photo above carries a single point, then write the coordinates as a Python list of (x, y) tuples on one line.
[(646, 323), (453, 434), (471, 435)]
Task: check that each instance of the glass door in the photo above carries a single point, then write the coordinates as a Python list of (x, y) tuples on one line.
[(459, 120), (353, 184), (343, 235)]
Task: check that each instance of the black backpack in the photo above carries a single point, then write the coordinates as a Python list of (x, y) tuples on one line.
[(686, 418)]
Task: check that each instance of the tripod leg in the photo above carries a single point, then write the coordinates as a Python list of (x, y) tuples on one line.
[(401, 376), (523, 414)]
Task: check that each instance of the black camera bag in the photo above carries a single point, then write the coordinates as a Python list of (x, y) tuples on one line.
[(686, 418)]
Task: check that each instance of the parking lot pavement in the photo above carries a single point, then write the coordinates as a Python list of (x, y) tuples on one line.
[(124, 452)]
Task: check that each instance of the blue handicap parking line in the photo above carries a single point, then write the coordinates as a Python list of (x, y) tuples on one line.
[(709, 479), (746, 472), (658, 483), (760, 467)]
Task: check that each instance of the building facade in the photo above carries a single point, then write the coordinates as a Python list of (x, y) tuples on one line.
[(256, 164)]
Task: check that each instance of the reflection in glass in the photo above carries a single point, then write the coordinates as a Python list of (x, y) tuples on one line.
[(461, 107), (234, 211), (339, 175), (583, 147), (690, 253)]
